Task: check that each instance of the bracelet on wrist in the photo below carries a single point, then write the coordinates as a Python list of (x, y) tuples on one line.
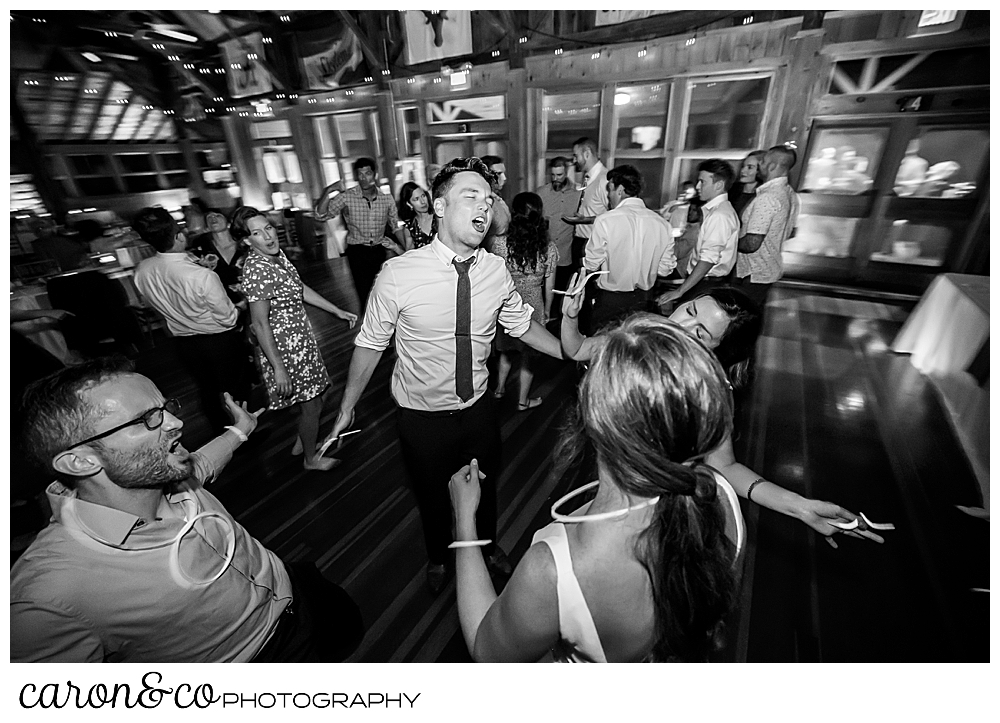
[(238, 432), (752, 485), (468, 543)]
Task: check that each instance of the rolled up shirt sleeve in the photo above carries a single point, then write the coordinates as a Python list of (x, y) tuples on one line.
[(717, 232), (381, 314)]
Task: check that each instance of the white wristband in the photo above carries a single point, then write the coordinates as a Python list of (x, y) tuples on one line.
[(238, 432), (468, 543)]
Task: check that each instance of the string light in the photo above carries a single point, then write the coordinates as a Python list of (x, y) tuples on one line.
[(595, 56), (558, 51), (689, 42), (748, 19), (495, 53)]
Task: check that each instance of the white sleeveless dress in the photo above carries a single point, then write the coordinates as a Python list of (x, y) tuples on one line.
[(578, 638)]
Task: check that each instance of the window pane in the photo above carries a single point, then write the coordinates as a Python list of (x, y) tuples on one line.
[(844, 160), (93, 165), (177, 180), (408, 120), (726, 113), (822, 236), (331, 173), (322, 126), (273, 168), (689, 169), (641, 114), (136, 163), (292, 169), (914, 243), (141, 184), (942, 163), (569, 116), (652, 176), (97, 186), (352, 135), (489, 147), (172, 161)]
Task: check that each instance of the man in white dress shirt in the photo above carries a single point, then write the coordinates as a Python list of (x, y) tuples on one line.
[(714, 254), (199, 314), (633, 244), (443, 302)]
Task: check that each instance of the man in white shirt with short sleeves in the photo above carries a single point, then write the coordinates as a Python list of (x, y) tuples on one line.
[(443, 302), (714, 254)]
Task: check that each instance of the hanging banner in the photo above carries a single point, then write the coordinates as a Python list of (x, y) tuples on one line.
[(436, 34), (325, 67), (613, 17), (241, 57)]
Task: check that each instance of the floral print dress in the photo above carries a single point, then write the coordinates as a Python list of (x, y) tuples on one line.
[(275, 279)]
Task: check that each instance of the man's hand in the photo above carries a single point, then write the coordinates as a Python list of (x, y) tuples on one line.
[(243, 420), (343, 423)]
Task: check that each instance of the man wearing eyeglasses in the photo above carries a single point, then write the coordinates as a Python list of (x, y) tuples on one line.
[(140, 563)]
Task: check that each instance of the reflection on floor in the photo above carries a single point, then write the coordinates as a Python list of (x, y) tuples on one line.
[(831, 414)]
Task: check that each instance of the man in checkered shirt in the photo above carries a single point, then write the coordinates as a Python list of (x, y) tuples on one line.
[(366, 211)]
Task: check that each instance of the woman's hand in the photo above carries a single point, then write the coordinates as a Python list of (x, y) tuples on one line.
[(819, 515), (347, 316), (282, 382), (574, 297), (465, 493), (243, 419)]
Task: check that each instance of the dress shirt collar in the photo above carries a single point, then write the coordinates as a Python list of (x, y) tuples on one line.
[(104, 524), (447, 256), (631, 201), (715, 202), (176, 256), (773, 183), (591, 175)]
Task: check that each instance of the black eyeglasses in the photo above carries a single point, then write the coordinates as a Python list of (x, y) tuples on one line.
[(153, 419)]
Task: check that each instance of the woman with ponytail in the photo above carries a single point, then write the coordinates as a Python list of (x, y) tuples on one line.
[(531, 260), (647, 569)]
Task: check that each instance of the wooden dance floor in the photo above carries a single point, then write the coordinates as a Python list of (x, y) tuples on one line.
[(831, 414)]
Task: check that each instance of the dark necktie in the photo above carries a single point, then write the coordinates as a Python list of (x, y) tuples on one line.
[(463, 332)]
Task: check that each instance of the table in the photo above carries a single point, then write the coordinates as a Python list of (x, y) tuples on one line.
[(44, 332), (947, 337)]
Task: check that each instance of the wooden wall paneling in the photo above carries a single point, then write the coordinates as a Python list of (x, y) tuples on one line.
[(758, 43), (893, 24), (776, 41), (711, 49), (253, 184), (676, 111), (537, 128), (517, 130), (609, 126), (805, 62), (740, 50), (386, 119), (307, 148)]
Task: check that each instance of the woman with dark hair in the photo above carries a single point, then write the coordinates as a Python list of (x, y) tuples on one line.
[(220, 252), (646, 571), (415, 213), (287, 352), (742, 192), (728, 323), (531, 260)]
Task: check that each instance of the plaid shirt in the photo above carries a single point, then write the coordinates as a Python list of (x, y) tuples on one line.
[(365, 220)]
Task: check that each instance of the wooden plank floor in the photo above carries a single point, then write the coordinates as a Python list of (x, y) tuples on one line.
[(831, 414)]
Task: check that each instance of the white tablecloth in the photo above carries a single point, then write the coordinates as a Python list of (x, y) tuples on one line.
[(44, 332), (949, 326), (947, 331)]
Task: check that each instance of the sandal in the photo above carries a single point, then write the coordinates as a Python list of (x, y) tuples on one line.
[(530, 404)]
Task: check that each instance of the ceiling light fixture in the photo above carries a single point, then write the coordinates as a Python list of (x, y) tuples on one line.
[(93, 58), (622, 98), (176, 35)]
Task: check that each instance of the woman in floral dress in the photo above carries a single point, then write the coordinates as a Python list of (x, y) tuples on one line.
[(288, 354), (531, 261)]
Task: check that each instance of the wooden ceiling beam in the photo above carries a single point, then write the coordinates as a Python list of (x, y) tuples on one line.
[(369, 50), (105, 94), (77, 101)]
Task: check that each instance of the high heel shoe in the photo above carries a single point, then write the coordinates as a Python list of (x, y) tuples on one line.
[(530, 404)]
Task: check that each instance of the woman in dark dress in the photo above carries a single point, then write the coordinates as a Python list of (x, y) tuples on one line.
[(742, 192), (220, 252), (415, 213)]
